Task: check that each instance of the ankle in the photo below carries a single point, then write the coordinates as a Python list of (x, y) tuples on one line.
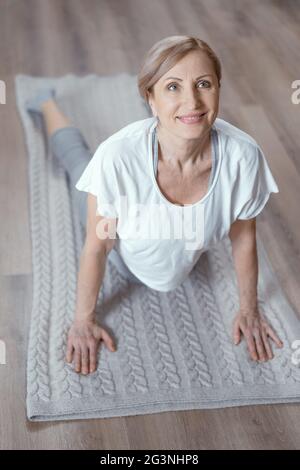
[(47, 104)]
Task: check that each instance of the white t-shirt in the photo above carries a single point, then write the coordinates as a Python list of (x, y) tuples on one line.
[(161, 242)]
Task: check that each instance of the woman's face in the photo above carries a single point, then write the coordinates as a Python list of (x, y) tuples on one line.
[(173, 98)]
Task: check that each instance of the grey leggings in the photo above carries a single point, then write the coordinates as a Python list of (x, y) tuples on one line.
[(71, 149)]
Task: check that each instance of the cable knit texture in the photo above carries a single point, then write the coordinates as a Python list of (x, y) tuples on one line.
[(174, 349)]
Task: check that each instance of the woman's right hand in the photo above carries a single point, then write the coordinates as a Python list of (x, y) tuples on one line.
[(83, 342)]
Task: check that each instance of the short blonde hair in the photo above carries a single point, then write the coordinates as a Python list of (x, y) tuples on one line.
[(164, 54)]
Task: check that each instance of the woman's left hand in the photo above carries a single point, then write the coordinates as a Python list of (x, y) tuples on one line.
[(256, 330)]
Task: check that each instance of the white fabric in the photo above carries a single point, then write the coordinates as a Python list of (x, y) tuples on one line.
[(123, 166)]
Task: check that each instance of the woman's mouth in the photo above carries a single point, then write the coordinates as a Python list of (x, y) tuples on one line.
[(192, 120)]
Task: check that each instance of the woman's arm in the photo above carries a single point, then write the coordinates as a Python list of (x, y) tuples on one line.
[(85, 334), (248, 319), (243, 241), (89, 280)]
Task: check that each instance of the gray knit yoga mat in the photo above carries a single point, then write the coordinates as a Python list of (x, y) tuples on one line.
[(174, 349)]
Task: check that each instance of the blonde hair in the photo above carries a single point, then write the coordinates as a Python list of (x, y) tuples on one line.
[(164, 54)]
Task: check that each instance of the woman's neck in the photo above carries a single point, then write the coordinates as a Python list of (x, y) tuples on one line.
[(183, 153)]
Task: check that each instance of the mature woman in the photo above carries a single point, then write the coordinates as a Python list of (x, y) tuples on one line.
[(198, 168)]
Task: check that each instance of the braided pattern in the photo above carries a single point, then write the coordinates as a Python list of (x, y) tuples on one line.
[(263, 372), (101, 381), (226, 359), (133, 370), (38, 383), (266, 370), (195, 358), (221, 265), (220, 270), (158, 340), (79, 233), (288, 370), (64, 379)]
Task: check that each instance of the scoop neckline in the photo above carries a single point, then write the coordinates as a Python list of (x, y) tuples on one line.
[(213, 183)]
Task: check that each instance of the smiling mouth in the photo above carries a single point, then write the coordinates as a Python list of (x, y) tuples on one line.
[(191, 120)]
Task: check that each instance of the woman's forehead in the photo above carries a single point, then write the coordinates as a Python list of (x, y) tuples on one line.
[(197, 66)]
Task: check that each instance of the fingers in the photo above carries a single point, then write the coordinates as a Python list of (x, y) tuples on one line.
[(251, 346), (109, 343), (93, 356), (256, 332), (267, 345), (82, 345), (274, 337), (85, 363), (262, 354), (85, 357), (236, 333), (81, 359), (77, 359), (69, 353)]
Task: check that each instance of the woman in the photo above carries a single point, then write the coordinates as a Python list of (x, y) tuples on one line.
[(197, 167)]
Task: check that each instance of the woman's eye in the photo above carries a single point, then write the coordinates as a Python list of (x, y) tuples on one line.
[(172, 84), (205, 81), (202, 81)]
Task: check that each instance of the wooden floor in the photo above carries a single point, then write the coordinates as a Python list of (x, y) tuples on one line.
[(258, 43)]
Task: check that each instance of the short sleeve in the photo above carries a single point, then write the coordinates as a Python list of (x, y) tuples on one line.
[(100, 177), (256, 185)]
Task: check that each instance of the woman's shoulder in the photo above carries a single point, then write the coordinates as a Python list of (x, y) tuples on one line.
[(236, 143), (234, 134), (130, 132), (129, 140)]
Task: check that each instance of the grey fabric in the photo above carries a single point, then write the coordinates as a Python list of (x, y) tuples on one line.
[(69, 146), (174, 349)]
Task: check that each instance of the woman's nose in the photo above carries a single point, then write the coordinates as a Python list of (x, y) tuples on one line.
[(192, 97)]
